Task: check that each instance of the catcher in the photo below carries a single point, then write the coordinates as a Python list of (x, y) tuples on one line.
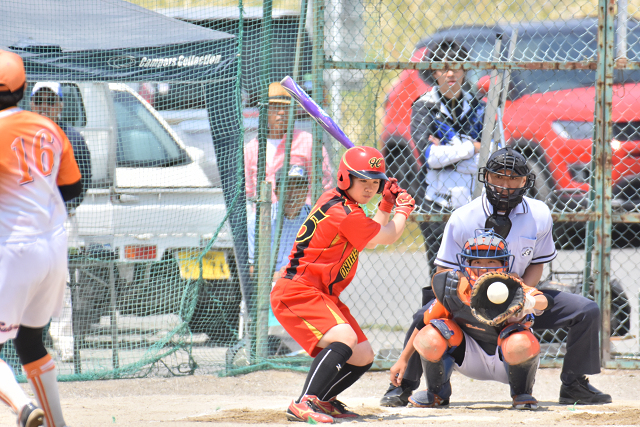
[(463, 330)]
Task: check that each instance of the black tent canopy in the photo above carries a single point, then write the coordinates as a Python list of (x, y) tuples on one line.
[(113, 40)]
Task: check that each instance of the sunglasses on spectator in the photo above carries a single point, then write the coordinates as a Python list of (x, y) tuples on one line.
[(45, 98)]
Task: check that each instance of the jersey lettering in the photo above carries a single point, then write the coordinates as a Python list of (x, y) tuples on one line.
[(42, 155), (348, 263), (345, 269), (18, 147), (310, 225)]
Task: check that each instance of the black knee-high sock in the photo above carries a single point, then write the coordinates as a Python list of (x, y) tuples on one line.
[(325, 368), (345, 379)]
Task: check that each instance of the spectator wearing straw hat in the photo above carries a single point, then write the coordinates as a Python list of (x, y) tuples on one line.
[(301, 147)]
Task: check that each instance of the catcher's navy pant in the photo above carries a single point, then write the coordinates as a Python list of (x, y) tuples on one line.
[(578, 315), (581, 318)]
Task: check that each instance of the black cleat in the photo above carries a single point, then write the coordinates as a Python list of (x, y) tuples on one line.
[(31, 416), (396, 396), (582, 393)]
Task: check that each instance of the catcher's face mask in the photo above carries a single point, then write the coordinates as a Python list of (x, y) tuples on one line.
[(486, 252), (506, 178)]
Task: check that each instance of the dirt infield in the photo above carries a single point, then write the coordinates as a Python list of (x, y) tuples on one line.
[(261, 397)]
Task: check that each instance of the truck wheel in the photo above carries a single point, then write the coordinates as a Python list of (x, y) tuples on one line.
[(156, 289), (217, 311), (166, 287)]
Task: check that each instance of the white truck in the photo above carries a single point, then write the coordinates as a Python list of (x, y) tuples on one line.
[(148, 214)]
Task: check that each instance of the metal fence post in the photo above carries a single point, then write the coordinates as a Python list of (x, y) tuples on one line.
[(264, 270), (286, 164), (602, 168), (490, 113), (318, 65)]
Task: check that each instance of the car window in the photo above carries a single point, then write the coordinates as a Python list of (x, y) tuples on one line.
[(73, 112), (551, 47), (142, 140)]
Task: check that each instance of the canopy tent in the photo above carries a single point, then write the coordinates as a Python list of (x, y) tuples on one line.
[(113, 40)]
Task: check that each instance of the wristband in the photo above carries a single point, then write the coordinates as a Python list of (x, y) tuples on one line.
[(385, 206)]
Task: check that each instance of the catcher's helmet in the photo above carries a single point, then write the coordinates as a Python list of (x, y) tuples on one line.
[(506, 159), (361, 162), (485, 245)]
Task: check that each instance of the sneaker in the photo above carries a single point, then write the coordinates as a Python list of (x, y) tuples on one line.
[(30, 416), (525, 402), (426, 399), (307, 411), (335, 408), (582, 393), (396, 396)]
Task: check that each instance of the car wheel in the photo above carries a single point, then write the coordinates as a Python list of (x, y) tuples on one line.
[(620, 311), (620, 321)]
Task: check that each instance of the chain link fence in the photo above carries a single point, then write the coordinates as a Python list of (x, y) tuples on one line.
[(159, 275)]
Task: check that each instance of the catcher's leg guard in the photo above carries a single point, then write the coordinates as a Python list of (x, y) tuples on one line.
[(521, 379), (436, 338), (438, 375), (518, 344), (521, 352)]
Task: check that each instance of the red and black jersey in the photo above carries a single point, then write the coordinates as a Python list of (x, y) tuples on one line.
[(326, 250)]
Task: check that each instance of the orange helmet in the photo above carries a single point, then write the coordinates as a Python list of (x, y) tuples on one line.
[(361, 162), (487, 244)]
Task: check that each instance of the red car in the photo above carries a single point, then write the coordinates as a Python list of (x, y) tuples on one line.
[(548, 115)]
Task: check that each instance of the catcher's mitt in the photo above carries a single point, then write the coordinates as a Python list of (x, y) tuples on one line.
[(495, 314)]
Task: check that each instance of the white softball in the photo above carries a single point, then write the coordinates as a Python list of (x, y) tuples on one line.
[(497, 292)]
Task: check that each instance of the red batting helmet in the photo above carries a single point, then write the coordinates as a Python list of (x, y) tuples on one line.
[(361, 162)]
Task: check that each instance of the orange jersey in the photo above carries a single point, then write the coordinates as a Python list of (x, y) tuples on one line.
[(326, 250), (35, 158)]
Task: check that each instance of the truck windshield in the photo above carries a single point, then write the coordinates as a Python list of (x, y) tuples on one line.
[(142, 139)]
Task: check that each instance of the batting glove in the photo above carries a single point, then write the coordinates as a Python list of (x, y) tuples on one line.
[(405, 204), (389, 195)]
